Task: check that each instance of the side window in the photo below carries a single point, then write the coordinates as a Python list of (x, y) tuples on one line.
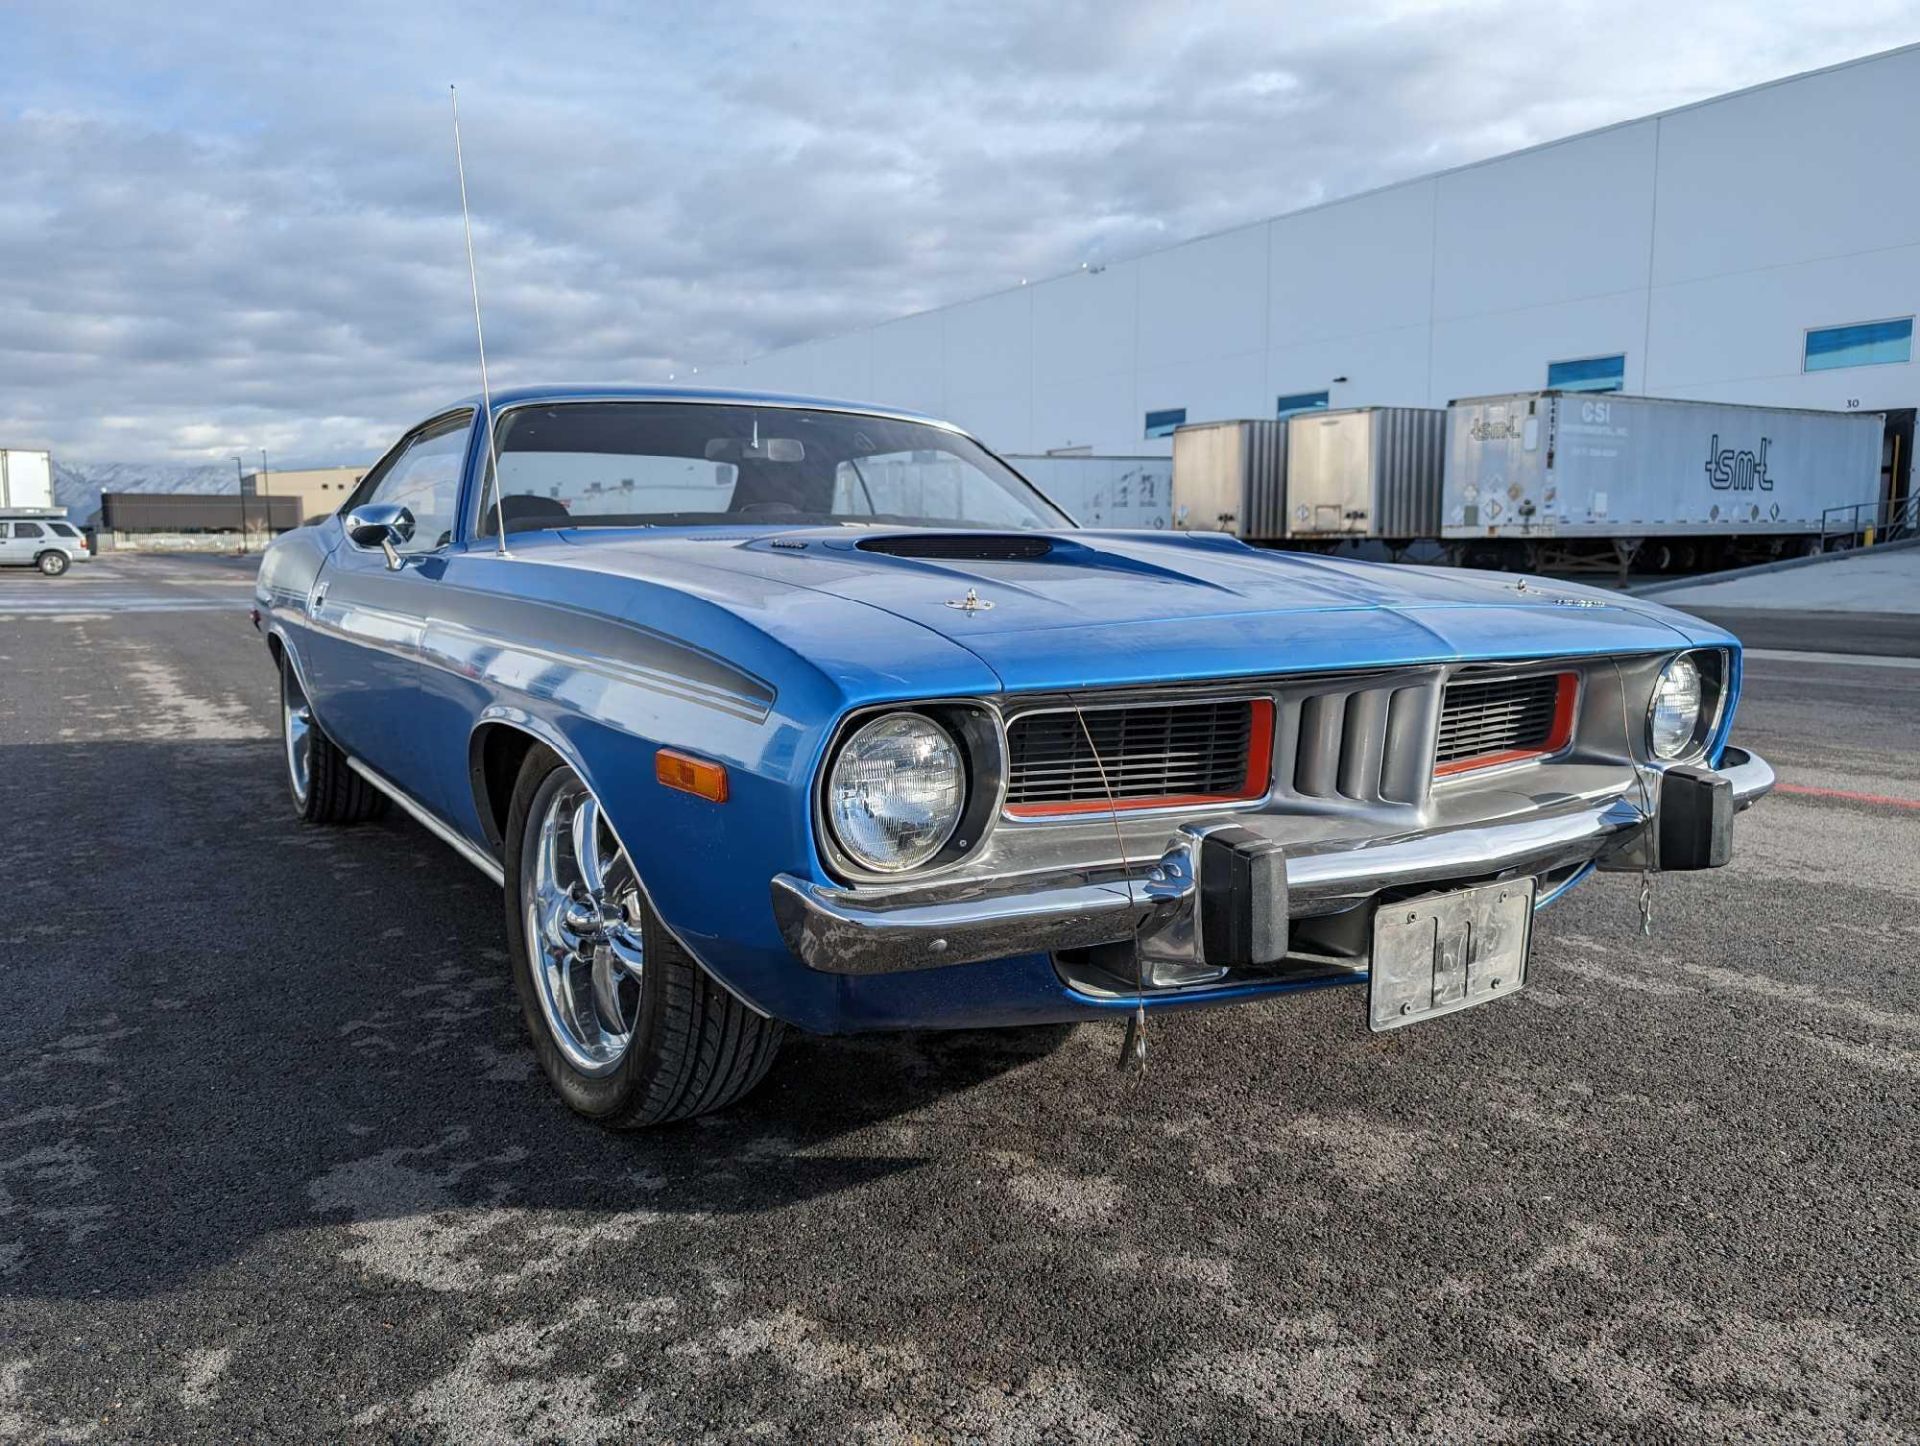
[(424, 478), (28, 529), (62, 529)]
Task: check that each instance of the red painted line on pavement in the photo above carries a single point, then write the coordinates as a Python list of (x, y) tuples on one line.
[(1879, 798)]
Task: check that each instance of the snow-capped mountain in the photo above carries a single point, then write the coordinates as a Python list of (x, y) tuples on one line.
[(77, 487)]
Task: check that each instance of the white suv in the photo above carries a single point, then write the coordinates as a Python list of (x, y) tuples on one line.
[(47, 543)]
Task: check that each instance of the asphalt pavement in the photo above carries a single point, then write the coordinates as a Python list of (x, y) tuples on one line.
[(1877, 634), (275, 1161)]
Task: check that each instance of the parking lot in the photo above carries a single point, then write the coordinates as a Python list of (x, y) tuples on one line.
[(275, 1160)]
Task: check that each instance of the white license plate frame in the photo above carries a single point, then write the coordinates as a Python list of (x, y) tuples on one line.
[(1441, 953)]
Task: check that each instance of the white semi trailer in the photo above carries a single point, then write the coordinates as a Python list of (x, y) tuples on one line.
[(1104, 491), (1554, 478), (1539, 480), (26, 479), (1365, 474), (1231, 477)]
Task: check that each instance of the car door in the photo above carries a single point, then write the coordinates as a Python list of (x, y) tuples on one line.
[(25, 544), (367, 619), (6, 543)]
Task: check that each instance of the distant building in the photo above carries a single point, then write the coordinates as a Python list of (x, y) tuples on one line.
[(319, 490), (1752, 248), (189, 521)]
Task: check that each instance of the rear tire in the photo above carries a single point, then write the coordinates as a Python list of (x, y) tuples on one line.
[(53, 564), (323, 787), (628, 1027)]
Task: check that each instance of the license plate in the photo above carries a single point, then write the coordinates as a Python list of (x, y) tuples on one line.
[(1444, 952)]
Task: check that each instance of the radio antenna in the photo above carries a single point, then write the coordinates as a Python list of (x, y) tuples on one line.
[(479, 335)]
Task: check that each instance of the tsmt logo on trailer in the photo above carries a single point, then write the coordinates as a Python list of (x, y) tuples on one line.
[(1731, 471)]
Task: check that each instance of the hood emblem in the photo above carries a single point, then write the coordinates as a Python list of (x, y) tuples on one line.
[(971, 603)]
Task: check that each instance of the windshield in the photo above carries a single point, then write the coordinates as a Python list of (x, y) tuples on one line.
[(638, 464)]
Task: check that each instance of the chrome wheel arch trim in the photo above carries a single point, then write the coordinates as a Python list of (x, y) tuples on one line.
[(473, 854), (291, 656), (503, 715)]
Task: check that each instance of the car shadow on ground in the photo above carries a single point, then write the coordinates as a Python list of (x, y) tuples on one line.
[(253, 1026)]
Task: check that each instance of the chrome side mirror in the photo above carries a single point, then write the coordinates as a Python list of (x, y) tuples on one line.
[(381, 525)]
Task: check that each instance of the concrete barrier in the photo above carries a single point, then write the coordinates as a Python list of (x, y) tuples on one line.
[(180, 541)]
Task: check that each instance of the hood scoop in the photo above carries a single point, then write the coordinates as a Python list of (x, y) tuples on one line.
[(961, 546)]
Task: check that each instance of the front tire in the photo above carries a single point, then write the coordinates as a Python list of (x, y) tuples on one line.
[(628, 1027), (53, 564), (324, 788)]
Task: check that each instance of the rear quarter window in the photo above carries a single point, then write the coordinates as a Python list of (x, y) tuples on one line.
[(62, 529)]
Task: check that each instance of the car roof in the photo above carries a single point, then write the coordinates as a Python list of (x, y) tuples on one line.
[(715, 396)]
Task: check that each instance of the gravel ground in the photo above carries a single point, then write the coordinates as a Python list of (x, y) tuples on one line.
[(275, 1161)]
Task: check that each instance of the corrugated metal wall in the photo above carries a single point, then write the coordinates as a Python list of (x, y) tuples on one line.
[(1266, 479), (1409, 460)]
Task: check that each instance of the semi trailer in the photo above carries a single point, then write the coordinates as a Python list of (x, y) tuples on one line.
[(26, 478), (1546, 479), (1365, 473), (1231, 477), (1103, 491)]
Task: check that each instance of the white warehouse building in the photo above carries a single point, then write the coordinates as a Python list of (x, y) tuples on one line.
[(1762, 247)]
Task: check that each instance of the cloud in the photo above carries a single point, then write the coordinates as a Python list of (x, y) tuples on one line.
[(227, 227)]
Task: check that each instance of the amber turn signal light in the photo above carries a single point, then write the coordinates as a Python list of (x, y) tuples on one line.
[(701, 777)]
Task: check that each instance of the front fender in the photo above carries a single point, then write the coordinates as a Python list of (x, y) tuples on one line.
[(692, 858)]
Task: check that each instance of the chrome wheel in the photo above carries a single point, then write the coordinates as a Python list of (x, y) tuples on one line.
[(582, 910), (296, 727)]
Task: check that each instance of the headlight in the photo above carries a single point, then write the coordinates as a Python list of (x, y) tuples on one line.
[(896, 792), (1673, 723)]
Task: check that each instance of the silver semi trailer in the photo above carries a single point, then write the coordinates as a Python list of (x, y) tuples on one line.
[(1104, 491), (1365, 473), (1548, 475), (26, 478), (1231, 477)]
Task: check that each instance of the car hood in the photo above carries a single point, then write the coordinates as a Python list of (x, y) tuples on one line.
[(1088, 609)]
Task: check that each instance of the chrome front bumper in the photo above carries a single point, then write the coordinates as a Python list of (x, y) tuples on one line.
[(850, 931)]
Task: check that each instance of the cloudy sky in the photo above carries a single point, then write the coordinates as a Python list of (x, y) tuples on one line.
[(224, 226)]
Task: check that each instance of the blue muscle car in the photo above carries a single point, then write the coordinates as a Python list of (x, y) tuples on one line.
[(774, 712)]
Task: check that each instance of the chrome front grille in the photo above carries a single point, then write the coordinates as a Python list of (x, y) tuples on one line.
[(1322, 744), (1147, 753), (1485, 717)]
